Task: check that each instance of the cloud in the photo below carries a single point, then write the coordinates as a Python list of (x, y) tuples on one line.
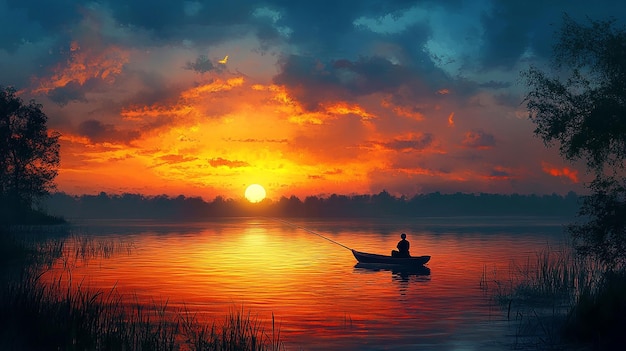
[(173, 158), (14, 33), (451, 119), (314, 82), (336, 141), (563, 172), (99, 132), (399, 91), (410, 143), (51, 16), (326, 174), (201, 65), (84, 64), (342, 108), (500, 173), (255, 140), (478, 139), (496, 85), (72, 92), (221, 162), (214, 86), (508, 35)]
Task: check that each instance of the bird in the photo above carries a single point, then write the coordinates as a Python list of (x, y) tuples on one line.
[(224, 60)]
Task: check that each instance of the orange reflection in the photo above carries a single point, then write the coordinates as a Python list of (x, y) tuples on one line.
[(310, 285)]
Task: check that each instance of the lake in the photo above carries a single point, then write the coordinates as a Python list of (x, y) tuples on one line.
[(319, 297)]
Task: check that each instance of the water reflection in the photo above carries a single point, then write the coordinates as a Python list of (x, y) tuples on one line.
[(399, 273), (321, 299)]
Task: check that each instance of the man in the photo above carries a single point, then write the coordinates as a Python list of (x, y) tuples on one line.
[(403, 247)]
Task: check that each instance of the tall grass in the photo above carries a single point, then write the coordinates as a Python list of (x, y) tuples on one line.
[(64, 315), (553, 297), (239, 331), (554, 275)]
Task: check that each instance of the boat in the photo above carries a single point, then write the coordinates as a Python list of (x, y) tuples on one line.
[(364, 257)]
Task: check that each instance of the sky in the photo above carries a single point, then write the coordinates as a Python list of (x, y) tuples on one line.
[(203, 98)]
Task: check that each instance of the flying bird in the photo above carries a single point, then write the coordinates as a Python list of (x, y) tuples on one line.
[(224, 60)]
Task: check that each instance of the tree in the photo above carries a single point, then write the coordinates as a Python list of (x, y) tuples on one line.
[(603, 233), (29, 155), (582, 107)]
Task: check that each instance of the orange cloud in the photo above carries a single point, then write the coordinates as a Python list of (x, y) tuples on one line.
[(293, 109), (451, 119), (137, 113), (213, 87), (306, 118), (403, 111), (565, 172), (85, 64), (218, 162), (343, 108), (408, 112), (74, 139), (172, 159), (323, 176), (280, 92)]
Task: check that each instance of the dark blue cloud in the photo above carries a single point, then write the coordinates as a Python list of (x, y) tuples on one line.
[(50, 15), (512, 28), (72, 92), (313, 81), (432, 44), (16, 29), (99, 132)]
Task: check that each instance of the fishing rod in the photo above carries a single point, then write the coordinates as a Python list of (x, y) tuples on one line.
[(312, 232)]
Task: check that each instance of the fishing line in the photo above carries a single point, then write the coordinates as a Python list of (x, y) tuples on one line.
[(312, 232)]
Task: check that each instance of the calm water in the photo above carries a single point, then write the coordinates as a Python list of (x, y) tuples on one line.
[(319, 297)]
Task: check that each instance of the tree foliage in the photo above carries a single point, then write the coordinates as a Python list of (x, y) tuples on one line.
[(585, 111), (603, 234), (29, 154), (581, 106)]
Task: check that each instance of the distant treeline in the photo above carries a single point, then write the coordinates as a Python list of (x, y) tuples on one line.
[(137, 206)]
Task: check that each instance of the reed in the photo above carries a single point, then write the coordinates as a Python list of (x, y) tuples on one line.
[(558, 298), (38, 315), (80, 249), (66, 315), (556, 275), (238, 331)]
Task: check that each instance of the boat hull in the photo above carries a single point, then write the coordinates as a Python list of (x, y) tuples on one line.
[(364, 257)]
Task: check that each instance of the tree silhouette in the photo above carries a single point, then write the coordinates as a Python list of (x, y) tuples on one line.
[(163, 207), (582, 107), (29, 156)]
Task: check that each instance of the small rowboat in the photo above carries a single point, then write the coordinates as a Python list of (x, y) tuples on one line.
[(364, 257)]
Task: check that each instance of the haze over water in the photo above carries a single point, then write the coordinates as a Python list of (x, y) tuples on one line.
[(319, 297)]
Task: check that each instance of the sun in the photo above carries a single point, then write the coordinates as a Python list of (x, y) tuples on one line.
[(255, 193)]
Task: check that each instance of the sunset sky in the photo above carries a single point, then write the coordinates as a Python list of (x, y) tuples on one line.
[(305, 98)]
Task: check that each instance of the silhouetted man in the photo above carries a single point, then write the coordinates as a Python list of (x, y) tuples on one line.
[(403, 248)]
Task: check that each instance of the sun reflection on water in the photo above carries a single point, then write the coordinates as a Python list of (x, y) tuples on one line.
[(314, 288)]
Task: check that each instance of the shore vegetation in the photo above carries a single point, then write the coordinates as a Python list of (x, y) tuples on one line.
[(38, 313), (576, 296)]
